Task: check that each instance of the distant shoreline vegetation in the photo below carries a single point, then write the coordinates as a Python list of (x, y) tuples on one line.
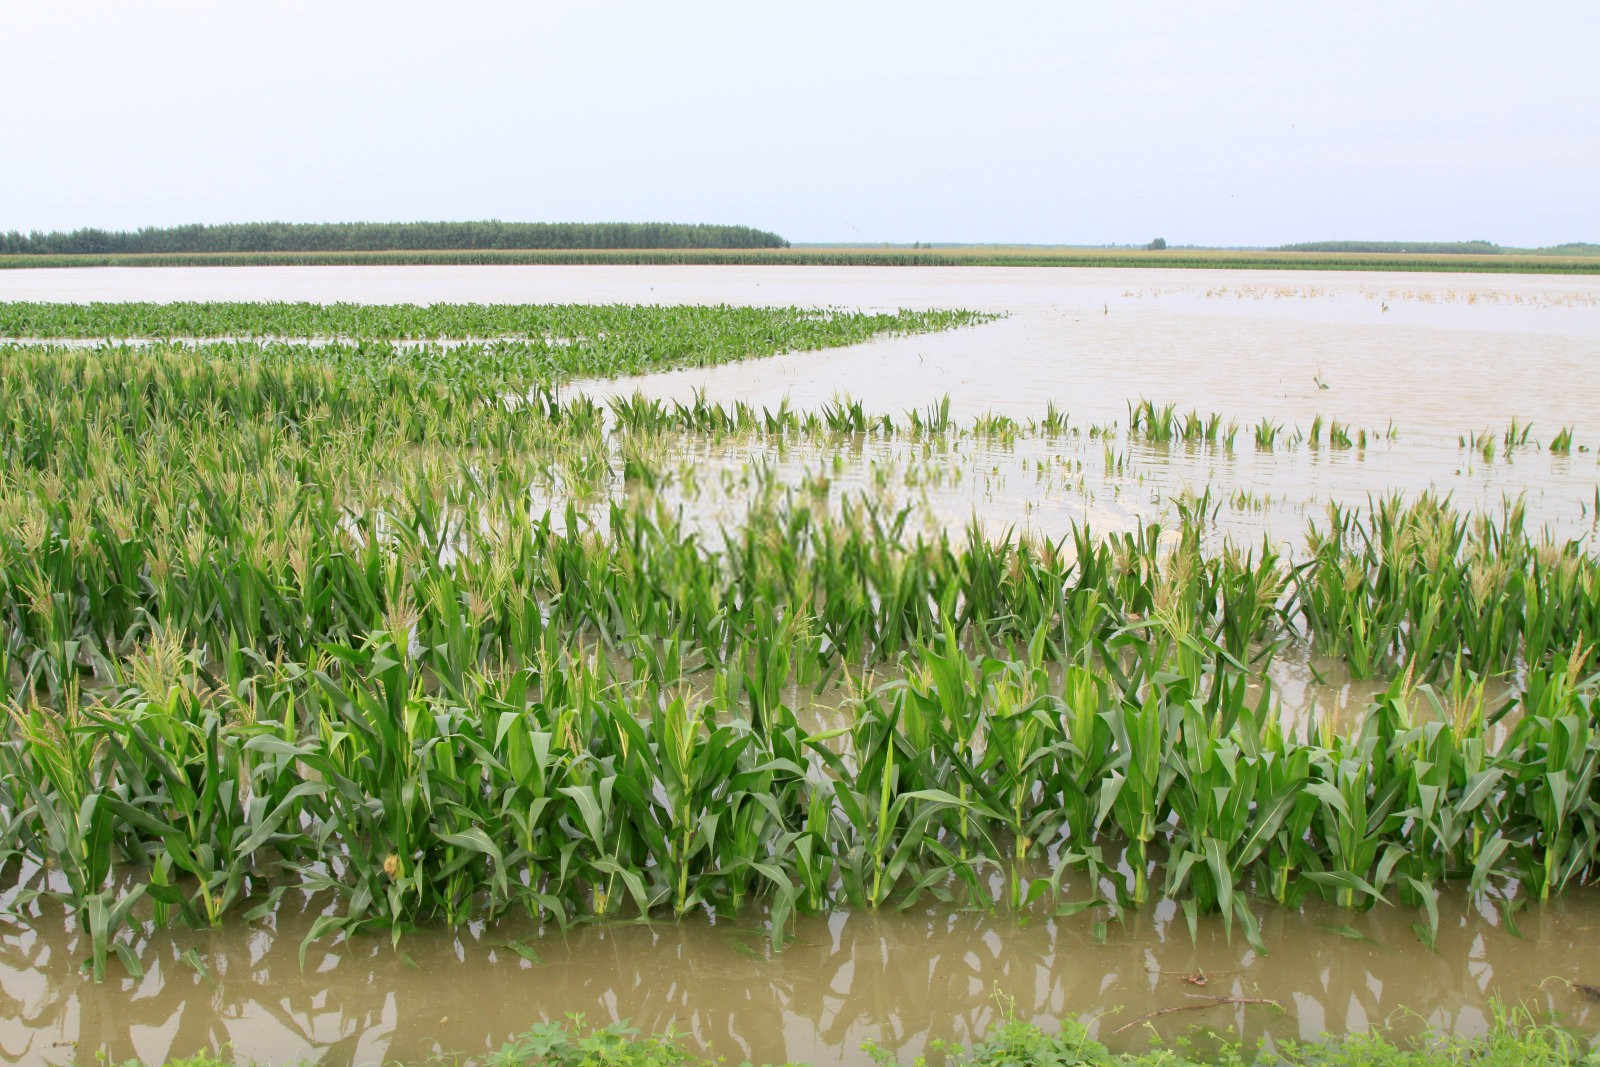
[(1443, 248), (386, 237), (851, 256), (663, 244)]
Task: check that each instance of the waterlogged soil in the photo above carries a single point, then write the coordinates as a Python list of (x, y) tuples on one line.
[(1409, 366), (901, 979), (1414, 360), (1430, 356), (1313, 692), (1113, 481)]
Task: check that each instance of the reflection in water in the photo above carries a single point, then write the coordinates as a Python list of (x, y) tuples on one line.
[(899, 979), (1040, 486), (1426, 358), (1308, 689), (1435, 354)]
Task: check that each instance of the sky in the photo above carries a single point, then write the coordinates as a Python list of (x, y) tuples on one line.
[(1082, 123)]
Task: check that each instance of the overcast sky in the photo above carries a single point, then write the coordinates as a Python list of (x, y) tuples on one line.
[(985, 120)]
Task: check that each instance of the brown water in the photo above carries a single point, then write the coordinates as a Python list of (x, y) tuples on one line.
[(1425, 358), (1115, 482), (899, 979), (1433, 354), (1430, 351), (1310, 690)]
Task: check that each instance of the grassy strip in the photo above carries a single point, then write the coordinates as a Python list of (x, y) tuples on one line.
[(1514, 1039), (849, 257), (1487, 248)]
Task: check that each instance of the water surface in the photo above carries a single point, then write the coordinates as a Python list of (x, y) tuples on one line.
[(1430, 356), (898, 978)]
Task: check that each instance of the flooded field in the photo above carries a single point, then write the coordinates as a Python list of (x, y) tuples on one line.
[(1325, 389), (1116, 481), (1416, 365), (1416, 361), (898, 978)]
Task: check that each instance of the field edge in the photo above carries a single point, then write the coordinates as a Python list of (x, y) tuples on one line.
[(1182, 259)]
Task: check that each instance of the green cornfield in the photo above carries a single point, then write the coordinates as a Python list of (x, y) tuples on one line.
[(278, 612)]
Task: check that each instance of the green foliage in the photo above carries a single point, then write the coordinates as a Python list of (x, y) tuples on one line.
[(291, 603), (1475, 248), (614, 331), (1163, 424), (1513, 1039), (383, 236), (1551, 261), (1421, 586), (1440, 248), (574, 1045)]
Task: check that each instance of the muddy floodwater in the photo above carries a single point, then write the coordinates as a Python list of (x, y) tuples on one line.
[(1416, 361), (900, 979)]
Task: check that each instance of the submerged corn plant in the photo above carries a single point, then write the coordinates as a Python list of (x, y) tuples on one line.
[(281, 616)]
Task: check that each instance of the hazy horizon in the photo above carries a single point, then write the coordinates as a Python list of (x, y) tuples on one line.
[(1388, 239), (1245, 124)]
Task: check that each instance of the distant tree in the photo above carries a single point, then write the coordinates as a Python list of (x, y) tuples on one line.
[(1157, 245), (1480, 248), (382, 236)]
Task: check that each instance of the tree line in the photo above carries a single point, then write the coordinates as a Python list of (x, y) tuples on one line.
[(1471, 248), (1481, 248), (387, 236)]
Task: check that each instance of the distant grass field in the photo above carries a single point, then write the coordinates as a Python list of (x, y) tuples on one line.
[(855, 256)]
